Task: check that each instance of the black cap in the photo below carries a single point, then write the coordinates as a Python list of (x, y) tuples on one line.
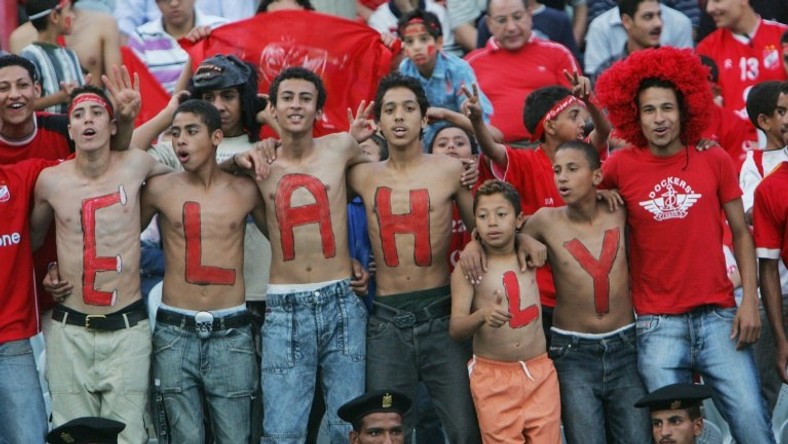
[(374, 402), (221, 72), (88, 430), (675, 397)]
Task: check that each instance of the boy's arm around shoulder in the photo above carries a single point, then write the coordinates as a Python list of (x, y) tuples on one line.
[(248, 187)]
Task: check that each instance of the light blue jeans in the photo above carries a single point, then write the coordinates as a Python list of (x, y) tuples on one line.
[(302, 332), (672, 347), (222, 370), (23, 418), (599, 387)]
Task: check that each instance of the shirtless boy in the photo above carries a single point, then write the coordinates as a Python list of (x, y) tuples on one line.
[(593, 333), (510, 372), (98, 348), (203, 347), (408, 200), (313, 319)]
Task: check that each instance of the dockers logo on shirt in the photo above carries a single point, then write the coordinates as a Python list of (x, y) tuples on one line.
[(671, 198), (5, 193)]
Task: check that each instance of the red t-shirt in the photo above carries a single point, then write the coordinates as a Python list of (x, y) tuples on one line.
[(770, 215), (743, 63), (531, 173), (49, 141), (674, 206), (460, 235), (18, 308), (507, 77), (735, 135)]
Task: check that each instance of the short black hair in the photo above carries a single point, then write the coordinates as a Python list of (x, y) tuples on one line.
[(430, 20), (264, 4), (471, 137), (15, 60), (762, 99), (494, 186), (33, 7), (630, 7), (590, 153), (90, 89), (301, 73), (205, 110), (538, 104), (399, 80)]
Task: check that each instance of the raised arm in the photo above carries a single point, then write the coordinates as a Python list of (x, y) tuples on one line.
[(126, 99), (581, 88), (144, 136), (492, 149)]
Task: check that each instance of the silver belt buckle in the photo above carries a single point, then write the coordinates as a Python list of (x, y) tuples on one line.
[(203, 323)]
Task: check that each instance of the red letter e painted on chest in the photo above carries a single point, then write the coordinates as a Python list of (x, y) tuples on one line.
[(91, 262)]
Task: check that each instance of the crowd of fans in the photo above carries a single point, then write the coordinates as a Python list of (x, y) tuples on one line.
[(534, 217)]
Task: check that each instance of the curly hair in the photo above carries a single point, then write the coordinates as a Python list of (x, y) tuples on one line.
[(617, 90)]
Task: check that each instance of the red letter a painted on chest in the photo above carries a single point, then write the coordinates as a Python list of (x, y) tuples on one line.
[(598, 269), (290, 217), (91, 262), (196, 272), (417, 223)]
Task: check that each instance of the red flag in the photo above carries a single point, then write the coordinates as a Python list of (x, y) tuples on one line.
[(348, 56), (154, 96)]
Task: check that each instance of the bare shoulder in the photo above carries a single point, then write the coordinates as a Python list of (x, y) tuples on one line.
[(336, 142), (242, 184)]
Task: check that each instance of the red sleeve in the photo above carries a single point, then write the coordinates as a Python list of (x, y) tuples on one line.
[(768, 226), (729, 183), (610, 172)]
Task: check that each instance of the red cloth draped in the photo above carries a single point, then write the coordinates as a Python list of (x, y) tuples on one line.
[(154, 96), (348, 56)]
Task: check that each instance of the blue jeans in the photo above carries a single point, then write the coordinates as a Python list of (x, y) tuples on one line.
[(220, 370), (599, 387), (23, 418), (302, 332), (399, 357), (672, 347)]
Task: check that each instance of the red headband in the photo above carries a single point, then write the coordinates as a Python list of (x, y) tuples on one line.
[(557, 109), (90, 97)]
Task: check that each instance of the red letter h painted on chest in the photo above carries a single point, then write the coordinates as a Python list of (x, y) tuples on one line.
[(416, 222)]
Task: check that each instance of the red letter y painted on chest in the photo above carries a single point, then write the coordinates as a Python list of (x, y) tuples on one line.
[(196, 272), (416, 222), (290, 217), (598, 269), (92, 263)]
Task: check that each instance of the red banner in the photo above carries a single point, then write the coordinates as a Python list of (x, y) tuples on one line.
[(154, 96), (348, 56)]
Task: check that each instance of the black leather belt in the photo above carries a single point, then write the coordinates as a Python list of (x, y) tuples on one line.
[(405, 319), (236, 320), (125, 318)]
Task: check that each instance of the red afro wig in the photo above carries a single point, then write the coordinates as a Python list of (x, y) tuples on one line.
[(618, 87)]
